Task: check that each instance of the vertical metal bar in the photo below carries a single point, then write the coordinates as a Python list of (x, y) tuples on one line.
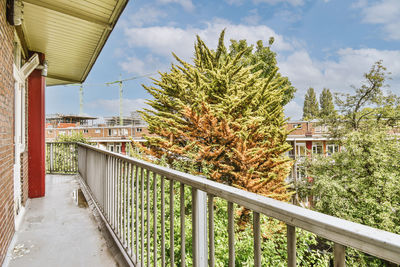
[(142, 217), (148, 216), (111, 191), (69, 156), (339, 255), (231, 235), (124, 204), (195, 227), (127, 204), (291, 245), (119, 198), (155, 218), (182, 215), (137, 213), (115, 182), (162, 221), (126, 199), (106, 210), (133, 175), (171, 221), (257, 239), (51, 158), (211, 243), (199, 227), (109, 188)]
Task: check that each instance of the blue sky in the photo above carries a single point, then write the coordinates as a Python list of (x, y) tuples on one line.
[(319, 43)]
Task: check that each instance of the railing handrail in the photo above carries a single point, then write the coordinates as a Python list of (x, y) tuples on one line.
[(383, 244), (55, 142)]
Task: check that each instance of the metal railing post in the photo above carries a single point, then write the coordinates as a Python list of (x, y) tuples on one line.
[(199, 228), (339, 252), (51, 157)]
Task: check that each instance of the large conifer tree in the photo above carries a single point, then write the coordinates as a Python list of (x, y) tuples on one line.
[(310, 107), (219, 113), (263, 59)]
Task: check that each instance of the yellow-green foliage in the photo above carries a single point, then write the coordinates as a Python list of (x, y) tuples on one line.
[(219, 113)]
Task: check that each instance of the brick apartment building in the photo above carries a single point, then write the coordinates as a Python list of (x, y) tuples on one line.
[(60, 39), (109, 135), (307, 137)]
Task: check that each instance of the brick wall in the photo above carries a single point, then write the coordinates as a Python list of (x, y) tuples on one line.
[(6, 132)]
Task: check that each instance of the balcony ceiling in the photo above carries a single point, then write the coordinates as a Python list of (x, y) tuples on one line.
[(71, 34)]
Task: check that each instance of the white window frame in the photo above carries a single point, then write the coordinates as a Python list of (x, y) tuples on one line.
[(335, 149), (110, 147), (118, 148), (315, 146)]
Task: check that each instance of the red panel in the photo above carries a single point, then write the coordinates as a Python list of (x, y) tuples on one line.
[(309, 145), (123, 148), (36, 134)]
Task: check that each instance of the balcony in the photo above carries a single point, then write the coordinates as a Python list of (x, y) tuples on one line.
[(57, 232), (146, 209)]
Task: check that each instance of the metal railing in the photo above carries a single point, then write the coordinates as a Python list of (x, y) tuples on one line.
[(61, 158), (131, 196)]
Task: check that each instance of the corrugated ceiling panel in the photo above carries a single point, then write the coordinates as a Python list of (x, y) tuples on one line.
[(70, 41)]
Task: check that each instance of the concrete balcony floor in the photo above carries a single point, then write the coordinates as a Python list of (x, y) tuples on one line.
[(56, 232)]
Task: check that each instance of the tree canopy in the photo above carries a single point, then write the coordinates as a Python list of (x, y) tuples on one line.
[(263, 59), (369, 106), (224, 116), (326, 104), (310, 106), (361, 182)]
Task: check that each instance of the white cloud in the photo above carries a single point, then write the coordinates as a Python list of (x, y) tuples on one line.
[(149, 64), (186, 4), (274, 2), (110, 107), (271, 2), (146, 15), (385, 13), (162, 40), (293, 110), (338, 75), (253, 18)]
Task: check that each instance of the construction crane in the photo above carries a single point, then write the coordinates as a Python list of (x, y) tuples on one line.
[(120, 82), (80, 97)]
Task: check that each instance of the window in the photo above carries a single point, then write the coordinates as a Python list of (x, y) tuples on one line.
[(118, 148), (115, 132), (332, 148), (301, 150), (138, 130), (85, 130), (110, 147), (124, 131), (317, 148), (97, 131), (109, 132), (297, 125)]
